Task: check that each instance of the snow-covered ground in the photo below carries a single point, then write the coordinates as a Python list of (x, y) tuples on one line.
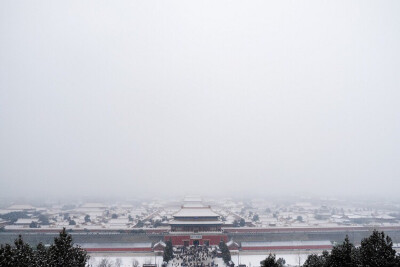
[(249, 260), (126, 261), (218, 261), (254, 260)]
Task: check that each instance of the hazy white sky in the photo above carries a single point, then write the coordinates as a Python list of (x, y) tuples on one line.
[(207, 97)]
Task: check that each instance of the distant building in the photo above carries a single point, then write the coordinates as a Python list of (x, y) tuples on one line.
[(24, 208), (196, 219), (3, 223), (159, 247), (26, 222), (233, 246), (195, 224)]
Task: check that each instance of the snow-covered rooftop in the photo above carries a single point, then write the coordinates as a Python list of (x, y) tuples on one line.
[(192, 199), (196, 212), (94, 206), (231, 242), (193, 205), (174, 222), (21, 207), (25, 221), (161, 243)]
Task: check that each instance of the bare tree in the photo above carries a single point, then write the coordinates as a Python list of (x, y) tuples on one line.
[(105, 263), (135, 263)]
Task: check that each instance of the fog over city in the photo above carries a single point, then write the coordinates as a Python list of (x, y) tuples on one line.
[(164, 98)]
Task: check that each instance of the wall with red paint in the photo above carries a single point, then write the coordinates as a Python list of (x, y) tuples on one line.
[(118, 249), (177, 240), (287, 248)]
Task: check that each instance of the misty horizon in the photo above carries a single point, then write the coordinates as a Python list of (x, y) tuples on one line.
[(211, 98)]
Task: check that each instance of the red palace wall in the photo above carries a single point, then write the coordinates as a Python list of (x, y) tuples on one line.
[(255, 230), (288, 248), (178, 240), (118, 249)]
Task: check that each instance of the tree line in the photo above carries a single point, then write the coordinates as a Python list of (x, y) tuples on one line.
[(374, 251), (62, 253)]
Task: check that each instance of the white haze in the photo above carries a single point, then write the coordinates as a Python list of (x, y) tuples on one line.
[(223, 97)]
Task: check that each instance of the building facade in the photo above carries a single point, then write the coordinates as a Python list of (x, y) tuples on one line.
[(196, 224)]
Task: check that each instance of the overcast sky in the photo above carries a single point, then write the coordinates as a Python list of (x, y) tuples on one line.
[(207, 97)]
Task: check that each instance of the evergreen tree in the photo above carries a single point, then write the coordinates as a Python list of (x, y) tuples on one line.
[(44, 220), (23, 253), (377, 250), (41, 255), (256, 218), (168, 251), (271, 261), (226, 254), (140, 224), (63, 254), (6, 256), (314, 260), (344, 255), (33, 225)]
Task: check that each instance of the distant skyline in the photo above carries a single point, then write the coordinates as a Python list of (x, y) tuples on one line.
[(213, 98)]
